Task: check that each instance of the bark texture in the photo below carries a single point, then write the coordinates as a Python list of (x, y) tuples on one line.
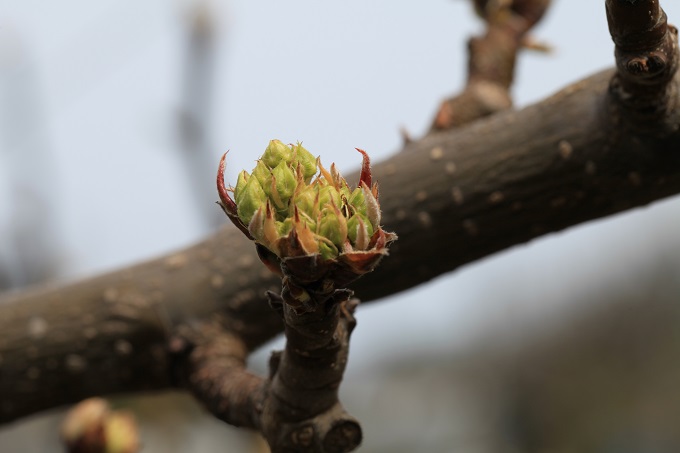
[(296, 408)]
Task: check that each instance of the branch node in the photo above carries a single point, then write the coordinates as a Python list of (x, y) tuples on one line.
[(344, 436), (644, 87)]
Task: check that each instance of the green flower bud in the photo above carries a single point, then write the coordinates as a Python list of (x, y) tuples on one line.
[(276, 153), (250, 199), (359, 231), (121, 433), (356, 200), (327, 251), (329, 195), (93, 427), (333, 225), (306, 160), (306, 200), (240, 184), (283, 187), (293, 214), (264, 177), (283, 228), (308, 220)]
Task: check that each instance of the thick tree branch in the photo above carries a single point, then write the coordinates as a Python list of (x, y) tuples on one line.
[(452, 197)]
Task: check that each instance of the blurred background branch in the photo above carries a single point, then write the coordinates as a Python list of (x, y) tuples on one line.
[(28, 224), (195, 118)]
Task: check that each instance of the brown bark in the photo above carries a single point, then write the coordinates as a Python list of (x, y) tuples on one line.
[(296, 408), (452, 197)]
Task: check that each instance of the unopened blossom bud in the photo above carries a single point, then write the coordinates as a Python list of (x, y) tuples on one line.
[(250, 199), (333, 227), (83, 426), (121, 433), (263, 174), (330, 195), (359, 231), (276, 152), (283, 186), (92, 427), (306, 219), (306, 160), (305, 201), (240, 184)]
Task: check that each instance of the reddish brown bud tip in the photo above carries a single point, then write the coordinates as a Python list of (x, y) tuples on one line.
[(365, 169), (226, 202)]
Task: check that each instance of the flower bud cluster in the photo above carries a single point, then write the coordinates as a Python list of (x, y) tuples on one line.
[(309, 225), (289, 190), (92, 426)]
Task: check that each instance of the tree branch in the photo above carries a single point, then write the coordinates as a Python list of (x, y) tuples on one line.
[(327, 247), (491, 61), (297, 407), (211, 362), (302, 412), (647, 62), (453, 197)]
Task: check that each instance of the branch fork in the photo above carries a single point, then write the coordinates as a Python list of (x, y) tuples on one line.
[(296, 408)]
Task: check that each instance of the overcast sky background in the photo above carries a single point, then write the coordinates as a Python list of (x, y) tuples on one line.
[(102, 81)]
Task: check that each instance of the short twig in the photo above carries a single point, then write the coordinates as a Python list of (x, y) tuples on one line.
[(491, 63)]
